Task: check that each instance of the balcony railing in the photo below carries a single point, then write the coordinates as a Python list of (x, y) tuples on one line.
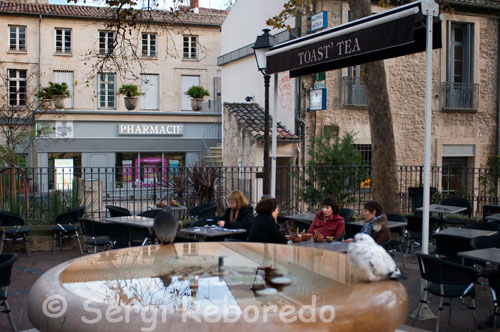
[(460, 96), (354, 92)]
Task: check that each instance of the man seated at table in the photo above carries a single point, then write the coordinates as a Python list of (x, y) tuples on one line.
[(328, 221), (265, 228)]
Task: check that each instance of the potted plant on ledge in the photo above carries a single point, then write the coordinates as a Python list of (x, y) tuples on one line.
[(197, 93), (131, 92), (46, 99), (60, 92)]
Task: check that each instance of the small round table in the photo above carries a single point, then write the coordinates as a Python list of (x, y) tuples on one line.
[(213, 286)]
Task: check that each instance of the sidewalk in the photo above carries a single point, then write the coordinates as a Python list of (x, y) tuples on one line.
[(27, 270)]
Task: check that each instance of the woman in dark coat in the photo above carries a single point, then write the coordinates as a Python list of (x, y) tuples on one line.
[(265, 228), (239, 215)]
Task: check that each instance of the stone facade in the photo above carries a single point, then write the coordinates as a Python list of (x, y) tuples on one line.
[(406, 85)]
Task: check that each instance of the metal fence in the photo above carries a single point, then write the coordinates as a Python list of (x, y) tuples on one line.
[(39, 194)]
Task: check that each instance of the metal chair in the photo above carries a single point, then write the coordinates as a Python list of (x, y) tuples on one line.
[(17, 233), (446, 280), (461, 202), (414, 230), (203, 210), (494, 282), (448, 246), (67, 227), (122, 235), (117, 211), (400, 232), (6, 263), (94, 234), (347, 214)]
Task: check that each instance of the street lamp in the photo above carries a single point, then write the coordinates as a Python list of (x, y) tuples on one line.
[(262, 44)]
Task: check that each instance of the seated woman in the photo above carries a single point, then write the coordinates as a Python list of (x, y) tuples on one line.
[(328, 221), (265, 228), (376, 222), (239, 215)]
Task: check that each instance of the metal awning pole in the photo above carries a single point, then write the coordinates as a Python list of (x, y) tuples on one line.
[(274, 137), (430, 9)]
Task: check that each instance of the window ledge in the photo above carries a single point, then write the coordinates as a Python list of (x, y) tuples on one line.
[(357, 107), (63, 54), (459, 110), (17, 52), (149, 57), (191, 59)]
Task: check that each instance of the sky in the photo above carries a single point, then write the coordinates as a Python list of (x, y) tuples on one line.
[(217, 4)]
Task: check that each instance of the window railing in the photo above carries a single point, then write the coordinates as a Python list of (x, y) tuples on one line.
[(354, 92), (460, 96)]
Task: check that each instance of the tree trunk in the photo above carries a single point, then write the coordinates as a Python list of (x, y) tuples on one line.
[(384, 168)]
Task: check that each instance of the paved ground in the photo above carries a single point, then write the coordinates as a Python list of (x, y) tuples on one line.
[(28, 269)]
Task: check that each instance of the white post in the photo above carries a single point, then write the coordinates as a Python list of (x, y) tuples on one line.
[(430, 9), (275, 137)]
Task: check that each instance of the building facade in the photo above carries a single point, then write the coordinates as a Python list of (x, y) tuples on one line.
[(62, 43)]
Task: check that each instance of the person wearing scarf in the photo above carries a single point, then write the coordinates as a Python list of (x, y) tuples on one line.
[(239, 215), (375, 222), (328, 221)]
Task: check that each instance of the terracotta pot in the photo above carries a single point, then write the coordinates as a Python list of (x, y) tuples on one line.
[(307, 236), (319, 238), (130, 103), (196, 104), (46, 104), (59, 102)]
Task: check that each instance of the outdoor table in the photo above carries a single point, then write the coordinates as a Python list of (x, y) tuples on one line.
[(491, 255), (493, 217), (325, 245), (182, 286), (442, 210), (210, 231), (465, 232), (132, 220), (179, 211)]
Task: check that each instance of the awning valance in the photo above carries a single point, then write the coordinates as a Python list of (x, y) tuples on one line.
[(390, 34)]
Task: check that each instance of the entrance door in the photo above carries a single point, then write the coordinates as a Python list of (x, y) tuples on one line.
[(100, 166)]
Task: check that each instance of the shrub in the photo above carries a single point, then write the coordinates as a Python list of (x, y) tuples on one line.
[(197, 92)]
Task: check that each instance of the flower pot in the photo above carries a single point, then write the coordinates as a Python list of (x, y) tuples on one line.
[(196, 104), (130, 103), (46, 104), (59, 101)]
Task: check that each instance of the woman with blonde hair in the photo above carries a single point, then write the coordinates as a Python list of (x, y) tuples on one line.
[(239, 215)]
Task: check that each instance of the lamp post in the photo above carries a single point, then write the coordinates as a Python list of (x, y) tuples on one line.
[(262, 44)]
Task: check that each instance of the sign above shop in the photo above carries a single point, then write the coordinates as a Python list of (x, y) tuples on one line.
[(150, 129)]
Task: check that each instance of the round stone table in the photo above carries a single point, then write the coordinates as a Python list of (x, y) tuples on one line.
[(213, 286)]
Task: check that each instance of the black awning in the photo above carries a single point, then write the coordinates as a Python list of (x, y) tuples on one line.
[(390, 34)]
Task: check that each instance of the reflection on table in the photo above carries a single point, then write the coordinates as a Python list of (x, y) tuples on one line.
[(210, 231), (325, 245), (185, 278)]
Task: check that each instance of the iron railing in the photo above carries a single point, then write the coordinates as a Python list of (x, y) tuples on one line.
[(354, 92), (39, 194), (460, 96)]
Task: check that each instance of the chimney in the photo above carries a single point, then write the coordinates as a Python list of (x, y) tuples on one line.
[(194, 4)]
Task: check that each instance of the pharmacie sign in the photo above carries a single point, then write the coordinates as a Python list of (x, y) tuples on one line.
[(150, 129)]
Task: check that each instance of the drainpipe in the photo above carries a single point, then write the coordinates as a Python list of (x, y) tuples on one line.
[(498, 90), (39, 52)]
